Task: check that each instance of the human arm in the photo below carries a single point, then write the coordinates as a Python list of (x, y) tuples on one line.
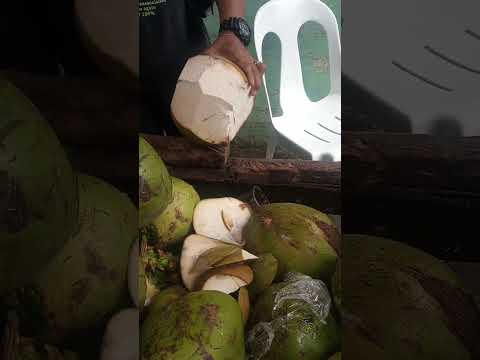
[(229, 46)]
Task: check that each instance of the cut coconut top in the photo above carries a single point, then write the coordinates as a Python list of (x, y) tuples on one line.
[(222, 219), (201, 254), (211, 99)]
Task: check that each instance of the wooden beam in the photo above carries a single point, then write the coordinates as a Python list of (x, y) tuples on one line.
[(180, 152), (262, 172), (373, 162), (199, 163), (83, 111)]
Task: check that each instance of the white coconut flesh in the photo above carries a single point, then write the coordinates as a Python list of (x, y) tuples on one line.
[(211, 99), (224, 283), (133, 284), (225, 278), (222, 219), (120, 341), (112, 27), (193, 265)]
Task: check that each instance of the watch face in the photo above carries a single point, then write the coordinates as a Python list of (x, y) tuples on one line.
[(244, 29)]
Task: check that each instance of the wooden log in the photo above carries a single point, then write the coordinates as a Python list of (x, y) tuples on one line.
[(315, 176), (198, 163), (181, 152), (326, 201), (374, 162), (311, 174)]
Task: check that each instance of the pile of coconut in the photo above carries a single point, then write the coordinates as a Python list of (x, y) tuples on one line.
[(216, 253)]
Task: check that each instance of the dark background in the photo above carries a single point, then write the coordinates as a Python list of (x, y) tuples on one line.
[(40, 36)]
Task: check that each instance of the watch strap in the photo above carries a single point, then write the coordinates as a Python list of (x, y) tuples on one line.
[(233, 24)]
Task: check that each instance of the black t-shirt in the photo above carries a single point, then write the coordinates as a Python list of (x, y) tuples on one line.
[(171, 31)]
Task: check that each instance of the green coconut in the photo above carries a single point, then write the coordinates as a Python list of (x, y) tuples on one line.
[(302, 239), (194, 326), (264, 272), (38, 190), (294, 328), (402, 303), (175, 222), (155, 184), (87, 281)]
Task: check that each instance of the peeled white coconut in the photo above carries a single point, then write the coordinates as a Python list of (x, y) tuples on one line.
[(227, 279), (201, 254), (224, 283), (120, 341), (222, 219), (211, 100), (110, 29)]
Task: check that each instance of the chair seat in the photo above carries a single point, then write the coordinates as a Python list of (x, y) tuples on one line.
[(315, 127)]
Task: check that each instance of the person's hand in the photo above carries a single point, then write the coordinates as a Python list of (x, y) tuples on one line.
[(227, 45)]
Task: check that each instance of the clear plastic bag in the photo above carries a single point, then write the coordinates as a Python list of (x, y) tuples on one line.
[(301, 293)]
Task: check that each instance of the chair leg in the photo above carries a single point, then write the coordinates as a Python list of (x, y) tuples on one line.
[(272, 144)]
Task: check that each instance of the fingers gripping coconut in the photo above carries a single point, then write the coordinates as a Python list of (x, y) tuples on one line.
[(155, 184), (38, 190)]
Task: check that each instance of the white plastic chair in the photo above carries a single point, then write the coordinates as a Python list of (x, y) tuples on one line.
[(314, 126)]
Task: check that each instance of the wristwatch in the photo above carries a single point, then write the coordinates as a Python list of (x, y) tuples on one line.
[(239, 27)]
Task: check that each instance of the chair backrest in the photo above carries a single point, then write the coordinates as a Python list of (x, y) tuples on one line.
[(285, 18)]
